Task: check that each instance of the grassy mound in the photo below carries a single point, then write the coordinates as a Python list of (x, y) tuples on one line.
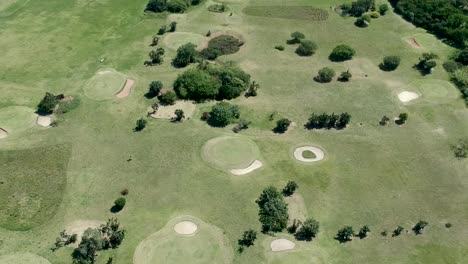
[(230, 152), (177, 39), (26, 258), (288, 12), (307, 154), (104, 85), (32, 185), (17, 118), (208, 245)]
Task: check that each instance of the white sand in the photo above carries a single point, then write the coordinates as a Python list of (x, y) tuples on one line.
[(127, 88), (78, 227), (167, 111), (44, 121), (281, 245), (256, 164), (185, 228), (319, 154), (104, 72), (406, 96), (3, 133)]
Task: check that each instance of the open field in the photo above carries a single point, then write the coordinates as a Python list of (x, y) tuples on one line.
[(382, 176)]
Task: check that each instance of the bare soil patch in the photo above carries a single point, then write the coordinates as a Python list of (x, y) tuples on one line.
[(167, 111), (413, 43), (281, 245), (78, 227), (3, 133), (126, 89)]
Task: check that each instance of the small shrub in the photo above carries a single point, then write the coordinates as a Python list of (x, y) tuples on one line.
[(119, 203), (168, 98), (345, 234), (205, 116), (374, 15), (306, 48), (290, 188), (345, 76), (390, 63), (279, 47), (426, 63), (208, 34), (383, 8), (325, 75), (217, 8), (248, 238), (140, 124), (253, 88), (296, 37), (242, 124), (157, 55), (419, 227), (363, 232), (342, 53), (295, 225), (461, 149), (162, 30), (398, 231), (124, 192), (179, 115), (282, 125), (172, 26), (360, 22), (448, 225), (384, 121), (402, 118)]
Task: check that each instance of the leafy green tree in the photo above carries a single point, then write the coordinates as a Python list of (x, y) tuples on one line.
[(234, 81), (156, 56), (398, 231), (360, 7), (47, 104), (248, 238), (390, 63), (168, 98), (290, 188), (345, 234), (361, 22), (172, 26), (119, 203), (282, 125), (342, 53), (179, 115), (162, 30), (296, 37), (343, 120), (91, 243), (140, 124), (325, 75), (363, 232), (427, 63), (157, 6), (306, 48), (154, 89), (273, 213), (112, 234), (222, 114), (419, 227), (383, 8), (402, 118), (186, 54), (308, 230), (197, 85), (384, 121), (345, 76)]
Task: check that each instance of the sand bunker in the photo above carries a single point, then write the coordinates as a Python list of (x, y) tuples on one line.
[(167, 111), (186, 228), (281, 245), (44, 121), (78, 228), (23, 258), (3, 133), (253, 166), (406, 96), (127, 88), (105, 84), (413, 43), (319, 154)]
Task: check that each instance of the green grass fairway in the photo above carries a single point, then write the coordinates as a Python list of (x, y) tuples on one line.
[(207, 245), (24, 258), (9, 7), (15, 119), (288, 12), (177, 39), (230, 152), (104, 85), (31, 185)]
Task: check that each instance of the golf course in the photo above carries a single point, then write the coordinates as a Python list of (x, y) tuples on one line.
[(122, 143)]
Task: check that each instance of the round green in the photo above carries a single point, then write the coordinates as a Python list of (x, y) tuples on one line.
[(230, 152), (104, 85)]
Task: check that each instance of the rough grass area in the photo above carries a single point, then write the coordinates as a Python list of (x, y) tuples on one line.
[(288, 12), (9, 7), (26, 258), (222, 45), (32, 182), (17, 118)]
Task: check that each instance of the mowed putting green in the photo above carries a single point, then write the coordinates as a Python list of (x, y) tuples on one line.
[(229, 152), (177, 39), (104, 84), (32, 185), (206, 245), (16, 118), (436, 89), (23, 258)]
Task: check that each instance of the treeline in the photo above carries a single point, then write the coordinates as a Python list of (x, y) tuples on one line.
[(173, 6), (445, 18)]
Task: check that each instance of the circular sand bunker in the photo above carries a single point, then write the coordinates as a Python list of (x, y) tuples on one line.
[(177, 39), (228, 153), (23, 258), (281, 245), (78, 227), (3, 133), (407, 96), (44, 121), (105, 84), (308, 154), (185, 228), (208, 245)]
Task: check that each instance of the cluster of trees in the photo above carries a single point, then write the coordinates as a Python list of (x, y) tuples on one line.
[(360, 9), (458, 70), (173, 6), (109, 235), (444, 18), (222, 114), (163, 29), (208, 82), (327, 121), (156, 57), (305, 48), (402, 118), (221, 45)]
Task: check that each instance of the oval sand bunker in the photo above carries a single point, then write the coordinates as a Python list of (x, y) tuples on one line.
[(44, 121), (407, 96), (253, 166), (185, 228), (281, 245), (298, 154)]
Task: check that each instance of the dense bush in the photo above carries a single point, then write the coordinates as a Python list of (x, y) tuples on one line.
[(157, 56), (168, 98), (306, 48), (221, 45), (390, 63), (154, 89), (248, 238), (140, 124), (363, 232), (345, 76), (186, 54), (426, 63), (345, 234), (222, 114), (308, 230), (462, 57), (328, 121), (173, 6), (172, 26), (383, 8), (402, 118), (359, 7), (273, 213), (296, 37), (419, 227), (282, 125), (451, 66), (279, 47), (218, 8), (442, 17), (119, 203), (325, 75), (461, 149), (342, 53), (290, 188), (47, 104)]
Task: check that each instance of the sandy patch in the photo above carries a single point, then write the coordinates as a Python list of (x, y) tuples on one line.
[(205, 42), (167, 111), (281, 245), (406, 96), (413, 43), (296, 208), (319, 154), (104, 72), (3, 133), (185, 228), (78, 227), (249, 65), (127, 88), (44, 121), (256, 164)]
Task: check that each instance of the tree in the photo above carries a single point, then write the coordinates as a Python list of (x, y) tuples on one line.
[(197, 85), (290, 188), (91, 243), (112, 234), (342, 53), (248, 238), (119, 203), (253, 88), (110, 260), (402, 118), (282, 125), (178, 6), (223, 114), (186, 54), (345, 76), (140, 124), (419, 227), (172, 26), (296, 37), (343, 120), (179, 115), (308, 230), (426, 63), (155, 41), (162, 30), (234, 81), (363, 232), (461, 149), (384, 121), (325, 75), (390, 63), (154, 89), (398, 231), (383, 8), (451, 66), (168, 98), (359, 7), (273, 213), (47, 104), (345, 234), (306, 48), (156, 6), (157, 55)]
